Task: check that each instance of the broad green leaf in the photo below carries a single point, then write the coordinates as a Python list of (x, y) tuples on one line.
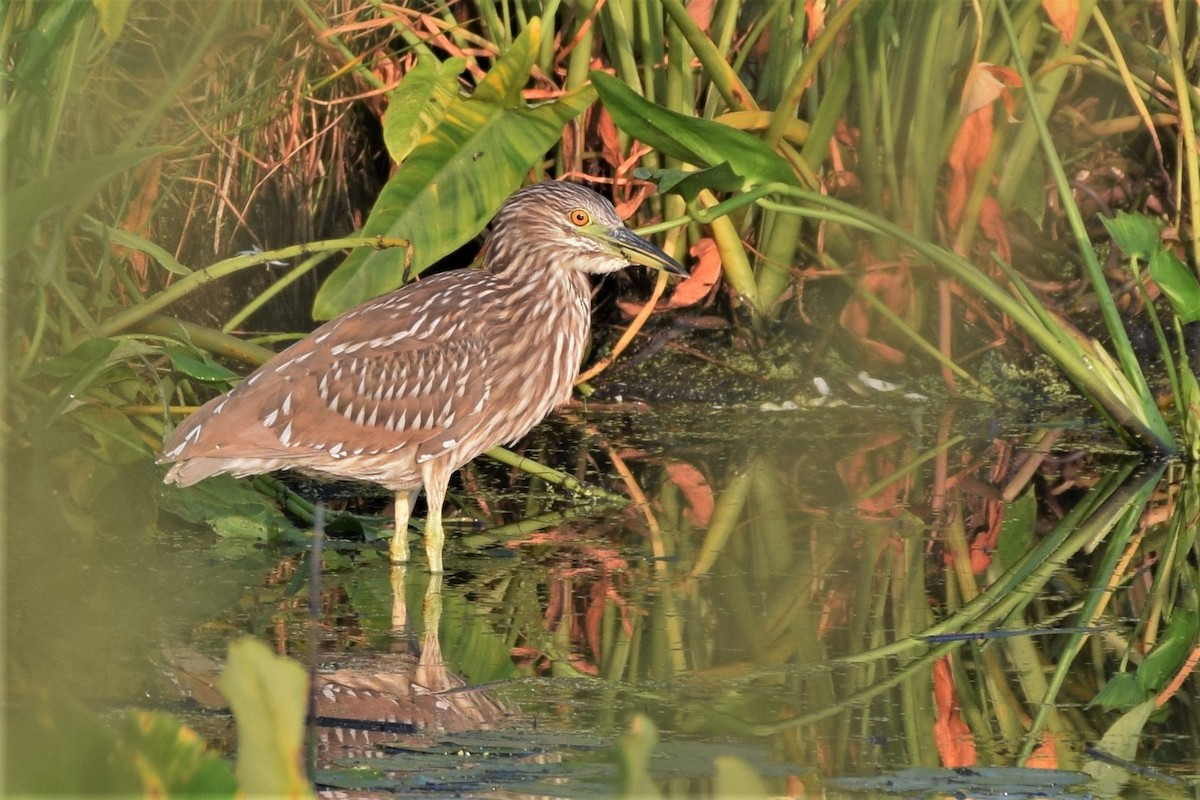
[(701, 142), (268, 695), (79, 369), (1135, 234), (135, 242), (1177, 282), (455, 179), (1030, 193), (687, 185), (1172, 649), (231, 507), (1016, 529), (86, 356), (170, 758), (419, 102), (1120, 741), (110, 427), (25, 205), (1122, 691), (196, 365), (1189, 393)]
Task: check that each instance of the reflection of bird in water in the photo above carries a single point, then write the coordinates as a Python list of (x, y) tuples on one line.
[(374, 698), (409, 387)]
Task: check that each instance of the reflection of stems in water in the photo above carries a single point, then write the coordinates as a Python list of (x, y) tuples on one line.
[(615, 657), (1042, 443), (1017, 586), (670, 619), (1117, 500), (725, 517), (906, 470), (1095, 601), (642, 504)]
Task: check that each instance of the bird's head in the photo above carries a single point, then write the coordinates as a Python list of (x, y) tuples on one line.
[(559, 225)]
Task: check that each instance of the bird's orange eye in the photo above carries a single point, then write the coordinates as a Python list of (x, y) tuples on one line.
[(579, 217)]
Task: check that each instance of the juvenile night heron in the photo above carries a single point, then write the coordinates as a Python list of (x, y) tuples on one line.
[(410, 386)]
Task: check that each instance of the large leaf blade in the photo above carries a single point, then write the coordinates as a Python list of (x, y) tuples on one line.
[(455, 179), (697, 141), (268, 695), (419, 103)]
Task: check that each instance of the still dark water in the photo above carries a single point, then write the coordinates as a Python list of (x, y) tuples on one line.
[(873, 601)]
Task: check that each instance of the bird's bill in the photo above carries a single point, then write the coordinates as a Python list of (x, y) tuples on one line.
[(640, 251)]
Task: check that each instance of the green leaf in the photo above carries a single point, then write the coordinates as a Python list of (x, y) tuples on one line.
[(135, 242), (268, 695), (1016, 529), (170, 758), (83, 358), (1189, 394), (1121, 741), (231, 507), (69, 183), (197, 365), (419, 102), (1135, 234), (687, 185), (701, 142), (1030, 193), (1172, 649), (1121, 692), (79, 369), (456, 178), (1177, 282), (108, 426)]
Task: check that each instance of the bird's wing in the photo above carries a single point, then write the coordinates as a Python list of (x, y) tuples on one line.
[(424, 397), (421, 397), (405, 385)]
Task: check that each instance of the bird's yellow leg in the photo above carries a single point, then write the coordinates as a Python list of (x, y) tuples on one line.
[(434, 538), (403, 503), (399, 580), (436, 479)]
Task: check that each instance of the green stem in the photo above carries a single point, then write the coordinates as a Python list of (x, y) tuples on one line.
[(229, 266), (1187, 124), (1104, 298), (1146, 425), (293, 275)]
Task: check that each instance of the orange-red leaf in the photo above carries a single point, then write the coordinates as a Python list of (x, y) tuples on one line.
[(814, 10), (701, 12), (610, 138), (986, 84), (967, 153), (705, 273), (1063, 15), (894, 288), (696, 491), (1045, 756), (138, 216), (955, 744), (991, 221)]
